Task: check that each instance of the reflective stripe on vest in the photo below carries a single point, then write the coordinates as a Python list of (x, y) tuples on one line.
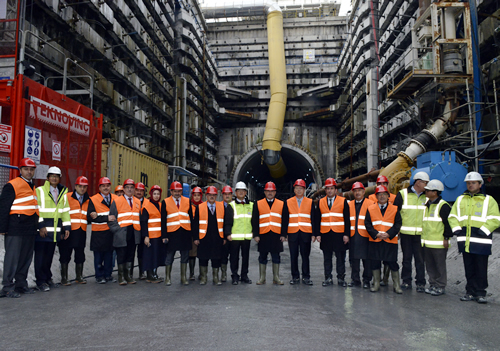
[(332, 219), (77, 213), (101, 210), (178, 217), (25, 201), (433, 226), (299, 218), (154, 221), (360, 224), (270, 218), (242, 223), (203, 213), (412, 212), (126, 215), (383, 223)]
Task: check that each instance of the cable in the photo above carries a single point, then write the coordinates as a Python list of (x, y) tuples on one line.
[(479, 155)]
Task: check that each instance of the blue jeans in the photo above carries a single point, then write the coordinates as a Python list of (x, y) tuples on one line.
[(103, 263)]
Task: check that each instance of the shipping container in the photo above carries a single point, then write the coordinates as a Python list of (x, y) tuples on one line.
[(120, 163)]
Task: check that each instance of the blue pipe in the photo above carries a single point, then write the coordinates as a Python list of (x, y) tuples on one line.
[(8, 166)]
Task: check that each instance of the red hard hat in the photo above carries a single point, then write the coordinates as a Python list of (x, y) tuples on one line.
[(211, 190), (197, 190), (382, 179), (176, 186), (140, 186), (330, 182), (270, 186), (300, 182), (357, 185), (104, 180), (27, 162), (381, 189), (129, 182), (118, 188), (81, 180), (153, 188), (227, 189)]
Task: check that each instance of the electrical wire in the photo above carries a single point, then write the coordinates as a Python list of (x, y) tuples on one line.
[(479, 155)]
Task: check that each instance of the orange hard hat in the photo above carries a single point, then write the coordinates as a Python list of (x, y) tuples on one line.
[(270, 186), (27, 162), (176, 186), (129, 182), (118, 188), (104, 180), (330, 182), (381, 189), (227, 189), (211, 190), (82, 180), (357, 185), (382, 179), (140, 186), (300, 182)]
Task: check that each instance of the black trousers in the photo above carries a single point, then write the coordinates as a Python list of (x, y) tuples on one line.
[(169, 260), (356, 270), (234, 249), (204, 263), (225, 253), (275, 257), (339, 264), (411, 246), (17, 261), (126, 254), (44, 253), (65, 253), (304, 246), (476, 273), (376, 265)]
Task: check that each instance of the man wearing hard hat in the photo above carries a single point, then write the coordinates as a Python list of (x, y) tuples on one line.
[(140, 189), (227, 197), (55, 225), (473, 219), (238, 230), (411, 204), (436, 233), (18, 224)]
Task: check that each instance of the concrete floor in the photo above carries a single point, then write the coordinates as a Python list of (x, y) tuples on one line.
[(245, 317)]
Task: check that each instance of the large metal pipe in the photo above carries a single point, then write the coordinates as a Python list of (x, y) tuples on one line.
[(271, 143)]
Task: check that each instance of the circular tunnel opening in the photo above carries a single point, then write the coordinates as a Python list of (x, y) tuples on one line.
[(255, 173)]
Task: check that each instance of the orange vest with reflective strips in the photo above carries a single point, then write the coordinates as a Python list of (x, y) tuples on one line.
[(385, 222), (361, 219), (219, 213), (332, 219), (25, 202), (101, 210), (77, 213), (128, 216), (392, 197), (154, 221), (178, 217), (270, 217), (299, 218)]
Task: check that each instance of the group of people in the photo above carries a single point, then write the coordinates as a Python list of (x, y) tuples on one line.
[(35, 220)]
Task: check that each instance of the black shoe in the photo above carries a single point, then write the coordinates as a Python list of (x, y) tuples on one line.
[(44, 287), (429, 290), (51, 284), (235, 281), (295, 281), (406, 286), (481, 299), (12, 294), (366, 285), (25, 290), (437, 291), (420, 288), (468, 297), (110, 279), (307, 281), (328, 282), (354, 283), (341, 282), (246, 280), (100, 280)]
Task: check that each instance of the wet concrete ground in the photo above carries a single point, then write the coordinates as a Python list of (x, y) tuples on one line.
[(245, 317)]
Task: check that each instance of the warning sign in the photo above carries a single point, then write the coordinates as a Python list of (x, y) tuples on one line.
[(5, 138), (56, 150), (32, 143)]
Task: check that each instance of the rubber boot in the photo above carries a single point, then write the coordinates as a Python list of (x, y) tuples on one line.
[(262, 274), (203, 275), (184, 280), (276, 274), (64, 274), (130, 270), (79, 274), (142, 276), (155, 275), (150, 277), (215, 276), (376, 281), (192, 263), (385, 280), (121, 271), (397, 282), (168, 271), (223, 274), (126, 275)]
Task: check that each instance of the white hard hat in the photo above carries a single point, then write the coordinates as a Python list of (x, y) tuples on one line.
[(240, 185), (54, 170), (421, 176), (473, 176), (434, 185)]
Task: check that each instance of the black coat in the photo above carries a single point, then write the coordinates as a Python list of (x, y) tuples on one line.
[(78, 238), (15, 225), (332, 241), (180, 240), (210, 247), (270, 241), (358, 245), (382, 250), (99, 240)]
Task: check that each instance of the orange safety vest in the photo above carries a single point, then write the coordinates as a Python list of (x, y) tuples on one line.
[(332, 219), (101, 210), (178, 217), (26, 202), (392, 198), (361, 219), (219, 212), (385, 222), (128, 216), (77, 213), (270, 217), (299, 218), (154, 222)]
